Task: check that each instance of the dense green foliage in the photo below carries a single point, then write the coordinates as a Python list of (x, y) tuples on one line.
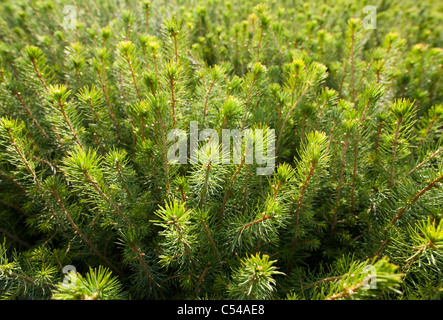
[(89, 91)]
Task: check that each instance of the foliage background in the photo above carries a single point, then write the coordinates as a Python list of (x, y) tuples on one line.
[(84, 179)]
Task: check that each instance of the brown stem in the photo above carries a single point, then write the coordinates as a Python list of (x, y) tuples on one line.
[(18, 185), (259, 44), (211, 240), (185, 245), (28, 111), (436, 153), (59, 139), (65, 117), (140, 258), (207, 99), (248, 100), (402, 210), (79, 232), (28, 280), (300, 200), (15, 238), (340, 183), (110, 108), (228, 190), (287, 117), (278, 48), (317, 283), (303, 124), (427, 131), (14, 206), (352, 68), (27, 165), (377, 142), (96, 116), (363, 74), (114, 206), (434, 84), (331, 135), (165, 160), (320, 114), (252, 223), (354, 170), (347, 292), (154, 57), (39, 75), (394, 152), (245, 192), (122, 179), (417, 255), (173, 102), (133, 76), (428, 187), (175, 46), (201, 279), (342, 166), (344, 75), (205, 185)]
